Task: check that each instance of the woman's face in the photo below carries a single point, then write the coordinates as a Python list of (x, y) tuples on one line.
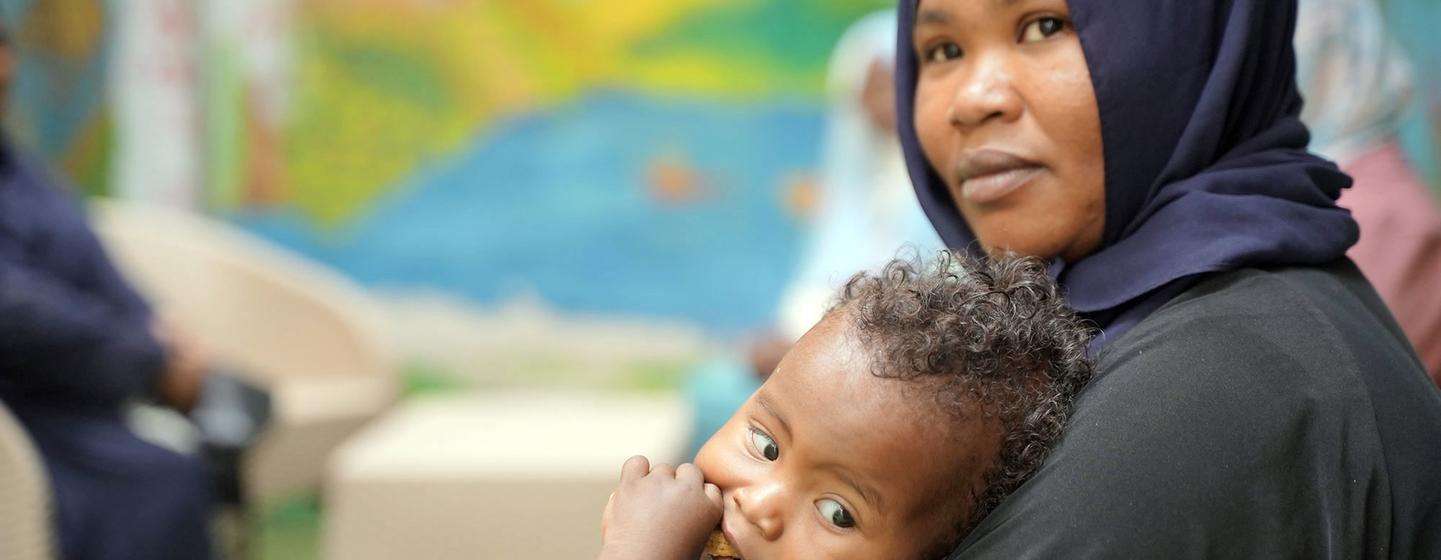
[(1007, 117)]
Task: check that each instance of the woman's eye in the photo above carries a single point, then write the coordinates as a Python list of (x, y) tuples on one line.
[(943, 52), (765, 445), (835, 513), (1041, 29)]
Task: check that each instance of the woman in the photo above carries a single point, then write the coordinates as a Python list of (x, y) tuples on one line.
[(1357, 82), (1253, 396)]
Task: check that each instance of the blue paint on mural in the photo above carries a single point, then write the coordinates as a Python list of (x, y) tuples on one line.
[(557, 204)]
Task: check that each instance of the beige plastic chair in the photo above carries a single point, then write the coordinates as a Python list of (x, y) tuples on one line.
[(26, 529), (314, 339), (494, 475)]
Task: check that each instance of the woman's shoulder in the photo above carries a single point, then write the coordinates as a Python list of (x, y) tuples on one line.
[(1254, 415), (1251, 345), (1272, 345), (1317, 326)]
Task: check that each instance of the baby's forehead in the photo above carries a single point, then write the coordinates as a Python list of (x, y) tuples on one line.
[(831, 368)]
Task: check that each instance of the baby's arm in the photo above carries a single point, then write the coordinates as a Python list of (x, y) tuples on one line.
[(661, 513)]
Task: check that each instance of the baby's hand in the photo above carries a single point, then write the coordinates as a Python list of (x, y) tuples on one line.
[(661, 513)]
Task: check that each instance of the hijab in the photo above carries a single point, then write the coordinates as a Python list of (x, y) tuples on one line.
[(1205, 155)]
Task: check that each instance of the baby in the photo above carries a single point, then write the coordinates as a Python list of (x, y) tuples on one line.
[(909, 412)]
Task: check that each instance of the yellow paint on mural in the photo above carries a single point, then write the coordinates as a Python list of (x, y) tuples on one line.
[(500, 56), (386, 84), (88, 162), (353, 142), (623, 23), (68, 28), (704, 74)]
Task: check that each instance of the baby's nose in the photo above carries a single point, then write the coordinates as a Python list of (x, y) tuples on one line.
[(764, 505)]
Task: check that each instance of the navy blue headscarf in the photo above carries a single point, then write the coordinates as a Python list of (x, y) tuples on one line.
[(1205, 156)]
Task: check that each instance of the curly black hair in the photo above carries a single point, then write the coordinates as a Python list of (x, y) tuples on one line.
[(993, 335)]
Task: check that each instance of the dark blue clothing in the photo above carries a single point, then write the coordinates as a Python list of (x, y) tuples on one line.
[(118, 497), (1205, 155), (72, 333), (75, 346)]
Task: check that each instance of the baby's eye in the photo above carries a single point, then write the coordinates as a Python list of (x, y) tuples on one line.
[(835, 513), (765, 445), (943, 52), (1041, 29)]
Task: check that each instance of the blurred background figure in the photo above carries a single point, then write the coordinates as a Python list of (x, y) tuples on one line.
[(866, 210), (77, 344), (1358, 87), (865, 214)]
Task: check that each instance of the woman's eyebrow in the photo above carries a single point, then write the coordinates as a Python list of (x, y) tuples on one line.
[(933, 16), (937, 16)]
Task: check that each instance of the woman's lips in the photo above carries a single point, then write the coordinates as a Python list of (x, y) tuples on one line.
[(990, 175), (993, 187)]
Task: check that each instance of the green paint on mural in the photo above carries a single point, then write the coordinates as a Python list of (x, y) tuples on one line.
[(786, 42), (373, 111), (391, 70), (224, 114)]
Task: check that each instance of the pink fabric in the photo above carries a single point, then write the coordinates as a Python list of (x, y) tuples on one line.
[(1400, 247)]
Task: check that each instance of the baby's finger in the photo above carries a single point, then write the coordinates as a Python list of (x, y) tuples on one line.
[(634, 468), (663, 470), (605, 516), (689, 474), (714, 494)]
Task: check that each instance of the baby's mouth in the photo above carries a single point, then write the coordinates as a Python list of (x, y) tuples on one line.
[(719, 548)]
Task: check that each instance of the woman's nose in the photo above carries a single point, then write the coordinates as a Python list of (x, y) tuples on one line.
[(984, 94), (764, 505)]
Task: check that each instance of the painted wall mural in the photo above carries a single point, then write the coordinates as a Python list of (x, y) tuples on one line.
[(647, 157)]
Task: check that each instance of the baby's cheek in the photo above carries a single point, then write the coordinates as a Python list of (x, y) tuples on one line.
[(806, 538), (714, 464), (721, 458)]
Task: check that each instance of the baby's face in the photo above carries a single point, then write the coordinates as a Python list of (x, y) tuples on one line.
[(826, 460)]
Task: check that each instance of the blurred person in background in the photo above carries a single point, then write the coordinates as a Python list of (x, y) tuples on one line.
[(1357, 83), (867, 210), (866, 214), (77, 345)]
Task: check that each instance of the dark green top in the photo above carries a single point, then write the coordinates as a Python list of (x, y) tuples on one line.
[(1260, 414)]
